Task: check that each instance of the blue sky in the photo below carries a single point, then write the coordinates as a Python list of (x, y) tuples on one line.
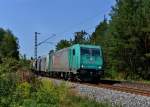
[(60, 17)]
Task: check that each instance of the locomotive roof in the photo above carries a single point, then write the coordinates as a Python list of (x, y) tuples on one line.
[(87, 45), (81, 45)]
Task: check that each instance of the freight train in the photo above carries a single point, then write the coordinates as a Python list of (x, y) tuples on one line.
[(80, 62)]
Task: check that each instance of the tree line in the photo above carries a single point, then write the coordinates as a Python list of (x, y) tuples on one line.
[(125, 40)]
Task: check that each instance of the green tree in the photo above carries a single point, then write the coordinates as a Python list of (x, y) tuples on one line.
[(129, 27), (62, 44), (8, 44), (80, 37), (98, 36)]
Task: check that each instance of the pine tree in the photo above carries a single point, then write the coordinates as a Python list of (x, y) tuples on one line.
[(129, 27)]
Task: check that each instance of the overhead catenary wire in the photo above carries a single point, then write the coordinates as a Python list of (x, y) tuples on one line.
[(44, 41)]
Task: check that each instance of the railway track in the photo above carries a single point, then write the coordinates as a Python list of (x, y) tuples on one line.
[(120, 86), (126, 89)]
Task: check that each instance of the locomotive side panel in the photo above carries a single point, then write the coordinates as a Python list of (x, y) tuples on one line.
[(74, 58)]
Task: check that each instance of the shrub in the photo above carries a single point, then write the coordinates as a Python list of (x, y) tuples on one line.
[(8, 65), (8, 83), (47, 93)]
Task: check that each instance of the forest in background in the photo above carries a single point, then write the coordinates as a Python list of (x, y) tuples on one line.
[(125, 40)]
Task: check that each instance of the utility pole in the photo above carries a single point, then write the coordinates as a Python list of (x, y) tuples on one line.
[(35, 49), (38, 44)]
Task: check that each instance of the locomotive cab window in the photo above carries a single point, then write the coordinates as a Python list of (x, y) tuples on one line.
[(90, 51), (73, 51)]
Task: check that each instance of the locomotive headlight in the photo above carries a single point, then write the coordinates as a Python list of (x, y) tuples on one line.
[(100, 67)]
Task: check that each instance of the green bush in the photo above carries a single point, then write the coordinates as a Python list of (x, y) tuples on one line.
[(48, 93), (8, 65), (8, 83)]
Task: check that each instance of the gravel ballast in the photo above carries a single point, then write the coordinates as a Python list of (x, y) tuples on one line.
[(106, 95)]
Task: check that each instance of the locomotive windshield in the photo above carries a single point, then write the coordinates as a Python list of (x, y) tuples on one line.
[(90, 51)]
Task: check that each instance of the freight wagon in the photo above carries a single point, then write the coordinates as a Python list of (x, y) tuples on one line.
[(82, 62)]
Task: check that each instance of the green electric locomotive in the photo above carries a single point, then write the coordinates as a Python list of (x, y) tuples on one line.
[(81, 62)]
